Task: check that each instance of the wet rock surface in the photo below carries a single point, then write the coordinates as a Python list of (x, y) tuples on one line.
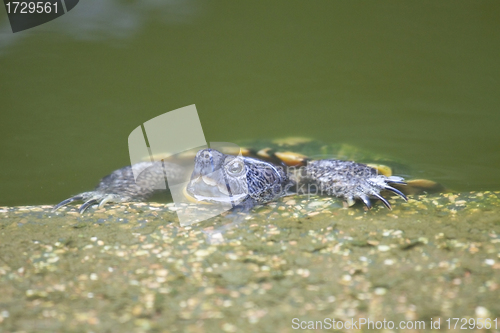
[(134, 268)]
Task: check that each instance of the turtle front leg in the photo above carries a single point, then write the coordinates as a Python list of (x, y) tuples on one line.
[(122, 186), (93, 198), (350, 181)]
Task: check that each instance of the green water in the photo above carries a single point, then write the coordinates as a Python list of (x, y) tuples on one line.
[(416, 81)]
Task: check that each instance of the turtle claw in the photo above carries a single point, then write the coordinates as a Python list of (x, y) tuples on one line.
[(90, 199), (67, 201), (87, 204), (398, 192), (384, 201), (395, 180), (108, 198), (366, 200), (379, 183)]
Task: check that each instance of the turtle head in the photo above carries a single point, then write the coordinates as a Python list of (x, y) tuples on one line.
[(218, 177)]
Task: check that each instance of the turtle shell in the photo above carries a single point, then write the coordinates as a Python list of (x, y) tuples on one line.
[(296, 151)]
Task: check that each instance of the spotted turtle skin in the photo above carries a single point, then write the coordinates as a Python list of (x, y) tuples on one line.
[(350, 180), (243, 181), (252, 177)]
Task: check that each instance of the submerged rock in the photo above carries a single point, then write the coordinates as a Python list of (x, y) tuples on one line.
[(134, 267)]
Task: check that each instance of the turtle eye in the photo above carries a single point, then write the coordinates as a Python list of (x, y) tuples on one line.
[(235, 168)]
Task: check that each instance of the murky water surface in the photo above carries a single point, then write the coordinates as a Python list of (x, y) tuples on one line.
[(415, 81)]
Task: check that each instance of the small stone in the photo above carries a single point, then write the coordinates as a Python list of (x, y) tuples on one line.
[(489, 262), (346, 277), (482, 312), (202, 253), (383, 248), (227, 327)]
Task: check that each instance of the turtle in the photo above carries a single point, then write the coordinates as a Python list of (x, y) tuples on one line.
[(258, 173)]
